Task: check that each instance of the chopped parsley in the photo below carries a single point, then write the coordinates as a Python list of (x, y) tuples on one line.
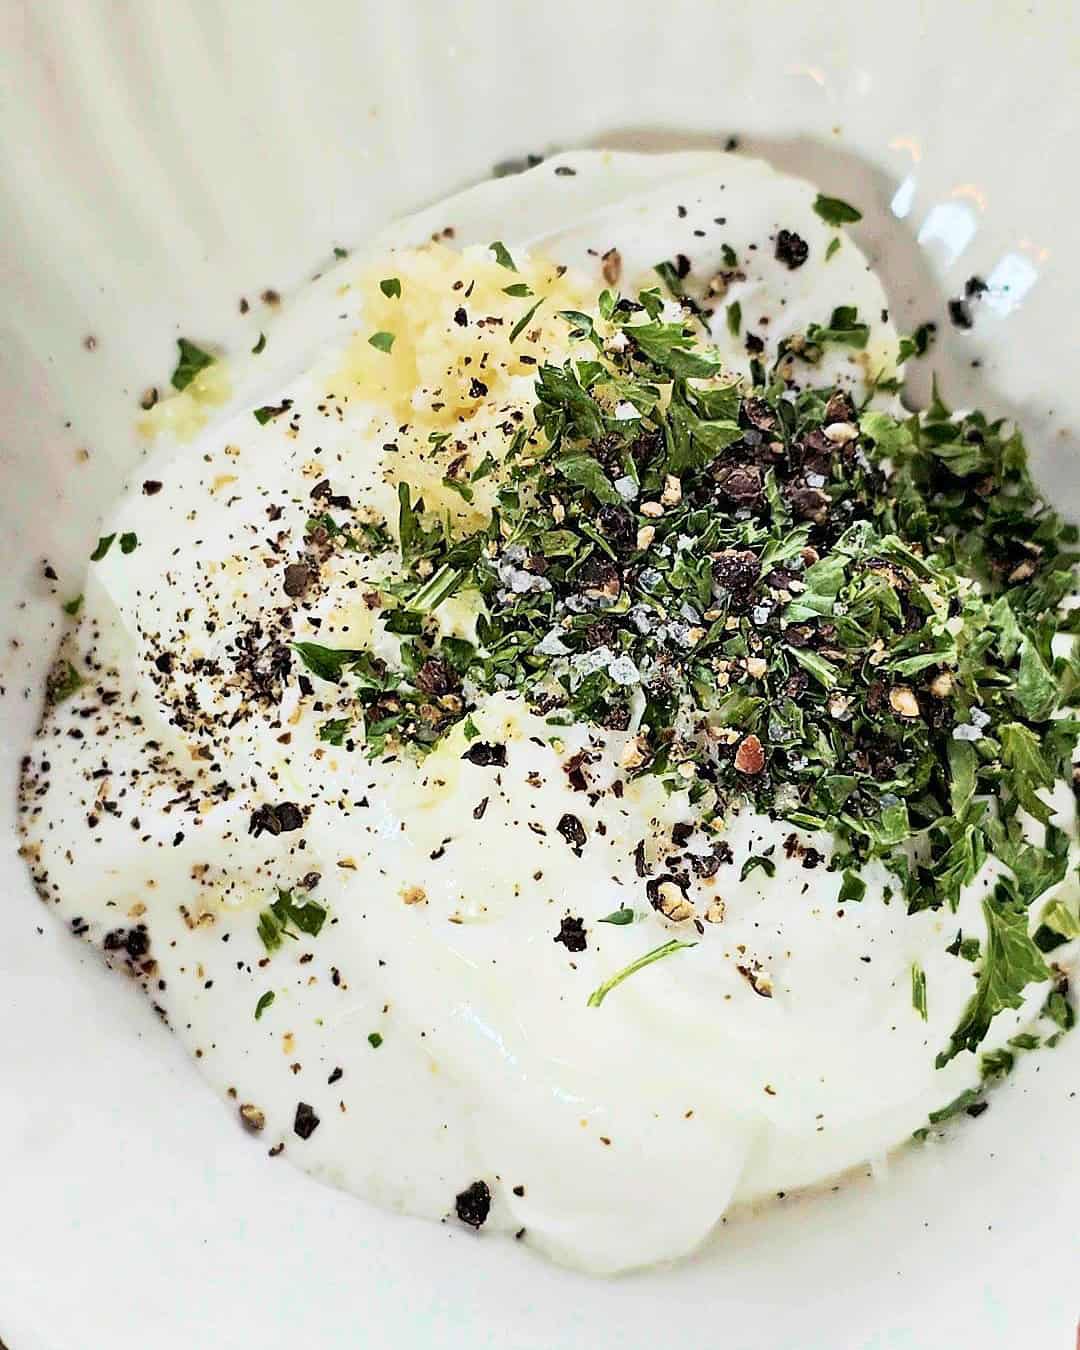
[(73, 605), (671, 275), (852, 888), (103, 545), (271, 410), (967, 1099), (833, 211), (327, 662), (1011, 962), (286, 915), (62, 681), (754, 861), (382, 341), (192, 360), (620, 916), (841, 616), (463, 490), (264, 1003), (1060, 919), (918, 344), (391, 288), (843, 329), (260, 346), (834, 247), (129, 542), (335, 731), (734, 318), (918, 991), (374, 1040)]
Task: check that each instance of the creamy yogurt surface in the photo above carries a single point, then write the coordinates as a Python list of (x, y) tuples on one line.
[(436, 1031)]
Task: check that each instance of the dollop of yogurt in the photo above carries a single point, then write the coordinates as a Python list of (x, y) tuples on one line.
[(436, 1032)]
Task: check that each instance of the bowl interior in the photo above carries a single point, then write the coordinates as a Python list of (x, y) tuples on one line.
[(159, 165)]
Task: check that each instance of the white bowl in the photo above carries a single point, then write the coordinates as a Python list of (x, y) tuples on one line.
[(162, 160)]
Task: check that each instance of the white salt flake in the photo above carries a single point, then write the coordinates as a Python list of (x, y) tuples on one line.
[(972, 730), (552, 645), (623, 671), (587, 663)]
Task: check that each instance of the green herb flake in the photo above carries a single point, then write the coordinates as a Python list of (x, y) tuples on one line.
[(1010, 962), (669, 275), (374, 1040), (833, 211), (103, 545), (918, 344), (997, 1063), (391, 288), (192, 359), (260, 346), (918, 991), (463, 490), (657, 954), (968, 1098), (335, 731), (1060, 1011), (264, 1003), (1058, 917), (270, 930), (844, 329), (502, 255), (834, 247), (73, 605), (62, 681), (285, 915), (129, 542), (852, 888), (755, 861), (381, 341), (620, 916), (523, 322), (734, 318), (518, 290), (328, 663), (271, 410)]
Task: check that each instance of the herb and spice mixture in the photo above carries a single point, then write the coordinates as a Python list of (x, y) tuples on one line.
[(574, 748)]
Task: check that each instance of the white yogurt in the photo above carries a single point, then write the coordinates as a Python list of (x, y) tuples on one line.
[(617, 1135)]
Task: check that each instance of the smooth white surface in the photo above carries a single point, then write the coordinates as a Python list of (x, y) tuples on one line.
[(124, 216)]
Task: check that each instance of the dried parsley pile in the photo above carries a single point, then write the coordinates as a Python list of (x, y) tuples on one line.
[(843, 617)]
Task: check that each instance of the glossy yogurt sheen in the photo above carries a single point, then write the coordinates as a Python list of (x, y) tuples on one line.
[(434, 1029)]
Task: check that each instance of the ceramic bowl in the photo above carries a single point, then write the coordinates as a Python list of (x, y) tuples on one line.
[(160, 161)]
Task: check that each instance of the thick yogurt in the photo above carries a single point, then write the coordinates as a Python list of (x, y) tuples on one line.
[(436, 1029)]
